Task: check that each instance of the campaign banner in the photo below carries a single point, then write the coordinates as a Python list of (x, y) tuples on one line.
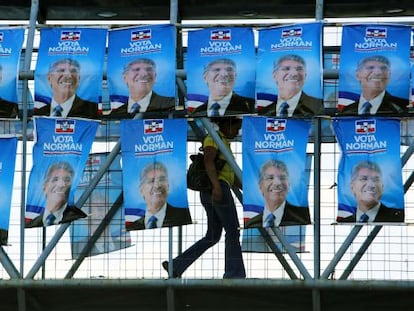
[(375, 69), (369, 173), (69, 69), (154, 173), (289, 69), (11, 43), (59, 155), (220, 71), (106, 195), (8, 146), (276, 165), (142, 69)]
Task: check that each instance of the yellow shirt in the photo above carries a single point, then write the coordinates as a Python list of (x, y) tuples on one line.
[(226, 174)]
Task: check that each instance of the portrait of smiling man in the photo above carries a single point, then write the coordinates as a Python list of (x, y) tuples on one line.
[(373, 74), (367, 187), (56, 187), (140, 76), (220, 76), (64, 78), (154, 187), (289, 73), (274, 186)]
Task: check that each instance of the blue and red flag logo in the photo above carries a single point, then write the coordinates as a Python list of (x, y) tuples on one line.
[(153, 126), (275, 125), (64, 126), (365, 126), (222, 34), (376, 32), (292, 32), (142, 34), (66, 35)]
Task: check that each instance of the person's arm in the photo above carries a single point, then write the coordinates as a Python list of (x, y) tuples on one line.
[(210, 154)]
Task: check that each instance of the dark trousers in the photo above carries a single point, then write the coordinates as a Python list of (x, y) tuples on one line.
[(219, 215)]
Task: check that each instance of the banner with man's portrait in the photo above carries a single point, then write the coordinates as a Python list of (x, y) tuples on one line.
[(69, 72), (374, 74), (11, 42), (220, 71), (8, 147), (370, 187), (289, 70), (154, 173), (104, 207), (59, 155), (141, 70)]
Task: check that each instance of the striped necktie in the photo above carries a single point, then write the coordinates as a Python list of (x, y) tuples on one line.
[(135, 108), (283, 110), (270, 221), (57, 111), (366, 108), (50, 219), (152, 222), (215, 110), (364, 218)]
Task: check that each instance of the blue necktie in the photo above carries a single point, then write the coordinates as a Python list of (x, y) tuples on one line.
[(283, 110), (152, 222), (366, 108), (270, 221), (363, 218), (57, 111), (50, 219), (215, 110), (135, 108)]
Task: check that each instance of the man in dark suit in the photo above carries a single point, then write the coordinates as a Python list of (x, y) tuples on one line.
[(274, 186), (8, 109), (64, 78), (367, 187), (154, 187), (56, 186), (373, 73), (289, 73), (220, 77), (140, 76)]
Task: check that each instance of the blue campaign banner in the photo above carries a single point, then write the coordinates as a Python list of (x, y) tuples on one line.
[(221, 68), (141, 63), (154, 172), (59, 155), (8, 146), (11, 42), (375, 67), (106, 195), (369, 172), (85, 49), (277, 168), (289, 62)]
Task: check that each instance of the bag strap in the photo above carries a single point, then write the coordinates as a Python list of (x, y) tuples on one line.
[(224, 161)]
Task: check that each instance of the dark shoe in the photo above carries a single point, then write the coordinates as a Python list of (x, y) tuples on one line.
[(165, 266)]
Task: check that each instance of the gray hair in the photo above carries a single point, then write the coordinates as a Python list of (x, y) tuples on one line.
[(294, 57), (272, 163)]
